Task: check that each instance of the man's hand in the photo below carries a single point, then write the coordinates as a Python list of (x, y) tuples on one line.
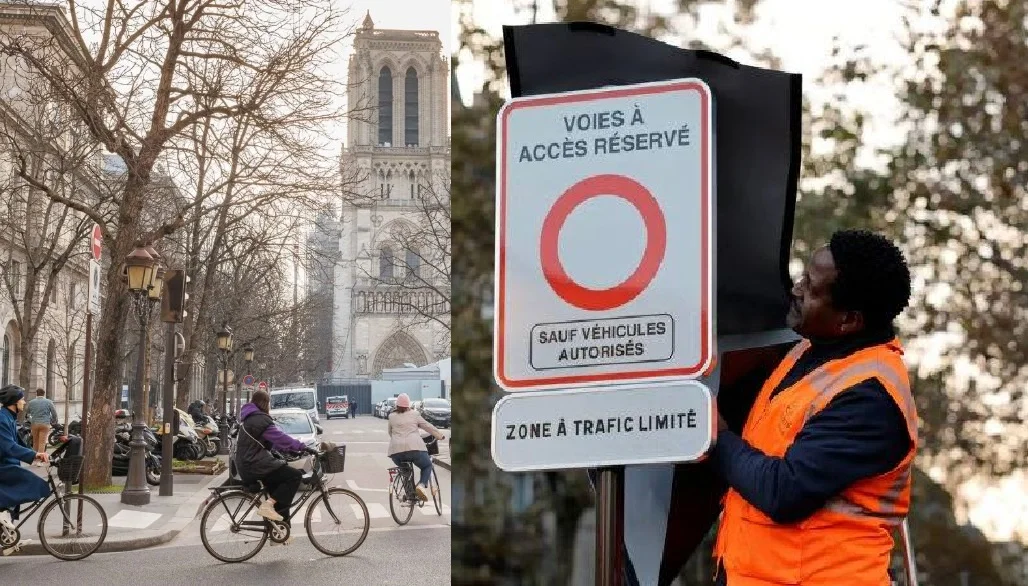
[(42, 457)]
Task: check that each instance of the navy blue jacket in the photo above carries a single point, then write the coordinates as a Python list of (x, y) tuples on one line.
[(861, 433), (17, 485)]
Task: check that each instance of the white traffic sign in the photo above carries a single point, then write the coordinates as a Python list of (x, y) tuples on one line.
[(586, 428), (93, 288), (604, 249)]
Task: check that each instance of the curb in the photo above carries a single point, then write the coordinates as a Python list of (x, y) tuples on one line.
[(444, 464), (184, 515)]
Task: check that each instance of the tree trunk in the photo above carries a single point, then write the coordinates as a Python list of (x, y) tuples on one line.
[(99, 440)]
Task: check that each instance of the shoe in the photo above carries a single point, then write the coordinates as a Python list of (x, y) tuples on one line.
[(5, 520), (267, 510), (420, 492), (286, 542)]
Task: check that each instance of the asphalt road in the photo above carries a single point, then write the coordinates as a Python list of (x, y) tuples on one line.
[(418, 553)]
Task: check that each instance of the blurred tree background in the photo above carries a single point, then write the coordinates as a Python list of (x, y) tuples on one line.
[(952, 190)]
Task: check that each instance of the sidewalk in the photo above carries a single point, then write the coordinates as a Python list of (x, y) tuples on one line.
[(136, 527), (442, 460)]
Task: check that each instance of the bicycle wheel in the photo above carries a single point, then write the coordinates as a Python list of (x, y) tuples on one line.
[(437, 493), (231, 530), (63, 536), (337, 522), (401, 506)]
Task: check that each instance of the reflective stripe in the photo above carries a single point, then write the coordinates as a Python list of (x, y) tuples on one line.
[(845, 507), (889, 503)]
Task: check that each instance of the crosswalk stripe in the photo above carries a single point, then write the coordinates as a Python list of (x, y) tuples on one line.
[(375, 511), (429, 510)]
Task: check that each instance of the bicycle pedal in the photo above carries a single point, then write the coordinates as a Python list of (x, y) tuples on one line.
[(12, 549)]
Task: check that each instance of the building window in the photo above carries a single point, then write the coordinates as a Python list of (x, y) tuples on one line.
[(51, 357), (385, 263), (16, 277), (385, 107), (5, 362), (413, 263), (410, 108)]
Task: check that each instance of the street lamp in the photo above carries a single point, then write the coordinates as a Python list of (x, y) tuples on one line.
[(224, 338), (248, 358), (142, 273)]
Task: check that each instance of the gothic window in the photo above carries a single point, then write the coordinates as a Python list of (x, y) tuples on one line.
[(362, 303), (385, 107), (413, 181), (5, 362), (385, 263), (410, 108), (413, 263)]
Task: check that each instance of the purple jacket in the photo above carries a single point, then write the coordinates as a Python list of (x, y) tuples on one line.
[(258, 435)]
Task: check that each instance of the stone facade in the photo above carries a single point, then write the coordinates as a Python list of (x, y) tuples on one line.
[(398, 148)]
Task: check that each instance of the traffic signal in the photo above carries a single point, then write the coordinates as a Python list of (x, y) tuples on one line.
[(173, 302)]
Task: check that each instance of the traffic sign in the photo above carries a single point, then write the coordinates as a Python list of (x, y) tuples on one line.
[(583, 428), (248, 380), (605, 231), (96, 241), (93, 287), (262, 386)]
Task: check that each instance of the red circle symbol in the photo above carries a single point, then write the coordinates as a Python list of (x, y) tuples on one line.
[(656, 242), (96, 242)]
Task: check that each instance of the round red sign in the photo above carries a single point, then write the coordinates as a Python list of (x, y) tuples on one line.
[(96, 242)]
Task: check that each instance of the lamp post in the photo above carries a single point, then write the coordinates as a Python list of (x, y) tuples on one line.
[(248, 359), (144, 283), (224, 338)]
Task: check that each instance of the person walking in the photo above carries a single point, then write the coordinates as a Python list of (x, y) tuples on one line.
[(405, 443), (820, 476), (41, 414)]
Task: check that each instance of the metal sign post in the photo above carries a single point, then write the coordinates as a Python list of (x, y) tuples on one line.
[(610, 527)]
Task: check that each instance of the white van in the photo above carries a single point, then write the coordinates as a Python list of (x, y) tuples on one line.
[(299, 398)]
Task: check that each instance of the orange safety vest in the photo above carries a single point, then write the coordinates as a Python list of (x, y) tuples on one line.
[(849, 540)]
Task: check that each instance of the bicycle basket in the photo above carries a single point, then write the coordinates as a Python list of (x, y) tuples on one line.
[(333, 461), (432, 445), (69, 468)]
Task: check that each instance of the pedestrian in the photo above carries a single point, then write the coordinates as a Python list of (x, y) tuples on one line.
[(41, 413), (820, 476), (405, 443), (353, 408)]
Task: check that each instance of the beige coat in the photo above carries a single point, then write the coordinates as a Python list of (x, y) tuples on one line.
[(403, 432)]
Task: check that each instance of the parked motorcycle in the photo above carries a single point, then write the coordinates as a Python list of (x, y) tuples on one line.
[(209, 438), (57, 430), (24, 430), (123, 451)]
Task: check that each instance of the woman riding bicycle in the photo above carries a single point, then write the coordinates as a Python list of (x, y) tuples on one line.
[(17, 485), (405, 443), (254, 461)]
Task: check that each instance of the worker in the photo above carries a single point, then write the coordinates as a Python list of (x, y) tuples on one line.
[(820, 476)]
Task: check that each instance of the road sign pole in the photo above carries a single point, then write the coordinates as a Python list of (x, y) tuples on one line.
[(610, 524)]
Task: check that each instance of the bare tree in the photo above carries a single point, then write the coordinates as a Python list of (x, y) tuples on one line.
[(46, 157), (151, 73)]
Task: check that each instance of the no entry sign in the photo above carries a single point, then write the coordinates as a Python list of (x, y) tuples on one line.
[(604, 236)]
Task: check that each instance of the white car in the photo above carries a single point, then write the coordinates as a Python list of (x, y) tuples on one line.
[(294, 422)]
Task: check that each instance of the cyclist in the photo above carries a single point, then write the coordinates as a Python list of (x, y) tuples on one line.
[(405, 443), (254, 460), (17, 485)]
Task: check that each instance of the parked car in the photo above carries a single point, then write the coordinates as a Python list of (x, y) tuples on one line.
[(337, 406), (435, 411), (386, 407), (294, 422)]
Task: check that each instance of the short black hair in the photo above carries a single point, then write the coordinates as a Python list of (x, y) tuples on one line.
[(872, 276)]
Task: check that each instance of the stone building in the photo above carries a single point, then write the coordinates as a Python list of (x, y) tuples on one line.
[(391, 296)]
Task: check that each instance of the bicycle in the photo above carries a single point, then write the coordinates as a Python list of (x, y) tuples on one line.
[(401, 490), (233, 512), (73, 522)]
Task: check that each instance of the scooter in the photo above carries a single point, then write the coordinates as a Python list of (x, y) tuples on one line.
[(209, 438), (123, 451)]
